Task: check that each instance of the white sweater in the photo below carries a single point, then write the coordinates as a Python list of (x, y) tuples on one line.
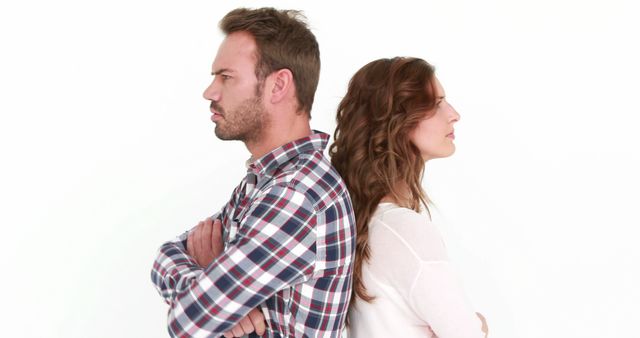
[(417, 292)]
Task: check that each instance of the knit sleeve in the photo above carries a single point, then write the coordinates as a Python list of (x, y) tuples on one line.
[(437, 297), (414, 261)]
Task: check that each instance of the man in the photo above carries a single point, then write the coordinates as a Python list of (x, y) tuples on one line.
[(288, 230)]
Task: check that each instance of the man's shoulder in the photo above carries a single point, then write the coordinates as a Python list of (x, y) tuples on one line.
[(312, 175)]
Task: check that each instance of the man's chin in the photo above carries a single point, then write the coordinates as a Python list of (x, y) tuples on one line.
[(225, 136)]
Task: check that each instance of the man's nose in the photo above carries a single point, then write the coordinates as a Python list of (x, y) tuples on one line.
[(212, 92)]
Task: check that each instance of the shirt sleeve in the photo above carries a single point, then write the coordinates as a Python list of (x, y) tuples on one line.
[(273, 249)]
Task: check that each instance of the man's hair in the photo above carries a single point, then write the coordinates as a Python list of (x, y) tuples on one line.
[(283, 40), (373, 151)]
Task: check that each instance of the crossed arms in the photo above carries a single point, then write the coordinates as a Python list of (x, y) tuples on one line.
[(274, 248)]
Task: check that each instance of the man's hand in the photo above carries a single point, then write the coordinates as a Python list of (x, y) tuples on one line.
[(205, 241), (254, 321)]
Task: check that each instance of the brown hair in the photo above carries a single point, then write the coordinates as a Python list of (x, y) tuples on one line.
[(283, 40), (373, 152)]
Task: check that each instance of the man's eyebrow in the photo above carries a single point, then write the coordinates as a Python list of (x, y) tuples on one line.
[(219, 71)]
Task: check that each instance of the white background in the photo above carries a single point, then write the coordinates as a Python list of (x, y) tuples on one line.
[(107, 150)]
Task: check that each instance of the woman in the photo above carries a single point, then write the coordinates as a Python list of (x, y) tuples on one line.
[(393, 119)]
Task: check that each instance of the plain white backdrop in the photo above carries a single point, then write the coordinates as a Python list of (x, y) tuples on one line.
[(107, 150)]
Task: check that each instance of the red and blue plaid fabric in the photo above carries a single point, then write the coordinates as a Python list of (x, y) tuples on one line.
[(289, 235)]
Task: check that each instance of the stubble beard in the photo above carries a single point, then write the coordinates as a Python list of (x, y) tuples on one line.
[(246, 123)]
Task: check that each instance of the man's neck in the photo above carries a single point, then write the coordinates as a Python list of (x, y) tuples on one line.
[(275, 139)]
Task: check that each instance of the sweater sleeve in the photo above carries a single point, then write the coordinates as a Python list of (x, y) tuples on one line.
[(437, 297), (421, 272)]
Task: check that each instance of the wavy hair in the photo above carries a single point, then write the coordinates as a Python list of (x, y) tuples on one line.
[(373, 152)]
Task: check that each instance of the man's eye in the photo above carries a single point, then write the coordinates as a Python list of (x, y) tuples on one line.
[(223, 77)]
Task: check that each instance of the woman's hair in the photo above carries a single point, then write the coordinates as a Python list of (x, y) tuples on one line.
[(373, 152)]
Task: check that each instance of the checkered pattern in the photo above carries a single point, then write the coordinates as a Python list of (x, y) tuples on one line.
[(289, 234)]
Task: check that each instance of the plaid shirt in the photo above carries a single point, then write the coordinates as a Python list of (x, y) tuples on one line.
[(289, 235)]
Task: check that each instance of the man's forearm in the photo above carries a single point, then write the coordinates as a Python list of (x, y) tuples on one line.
[(173, 269)]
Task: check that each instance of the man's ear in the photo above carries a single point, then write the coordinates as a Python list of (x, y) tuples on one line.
[(282, 85)]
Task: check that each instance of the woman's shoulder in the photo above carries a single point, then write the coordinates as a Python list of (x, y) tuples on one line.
[(413, 229), (391, 212), (399, 217)]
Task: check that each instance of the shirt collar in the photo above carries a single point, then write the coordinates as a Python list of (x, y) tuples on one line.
[(317, 141)]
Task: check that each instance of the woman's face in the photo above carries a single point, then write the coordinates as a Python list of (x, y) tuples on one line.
[(434, 135)]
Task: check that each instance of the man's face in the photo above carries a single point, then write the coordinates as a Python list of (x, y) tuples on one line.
[(236, 101)]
